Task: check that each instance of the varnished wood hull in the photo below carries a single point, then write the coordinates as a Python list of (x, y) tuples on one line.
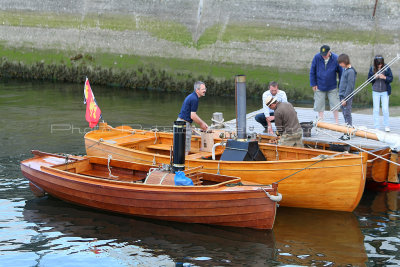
[(378, 170), (229, 206), (333, 184)]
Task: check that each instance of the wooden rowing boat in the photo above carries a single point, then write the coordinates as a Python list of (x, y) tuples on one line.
[(336, 183), (137, 189)]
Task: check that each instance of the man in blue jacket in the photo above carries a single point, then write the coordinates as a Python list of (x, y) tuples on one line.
[(325, 74)]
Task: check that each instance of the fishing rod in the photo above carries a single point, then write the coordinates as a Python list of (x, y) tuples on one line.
[(362, 86)]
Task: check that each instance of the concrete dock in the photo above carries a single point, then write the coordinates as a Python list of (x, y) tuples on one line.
[(308, 114)]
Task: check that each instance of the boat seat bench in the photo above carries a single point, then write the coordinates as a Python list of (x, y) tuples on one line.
[(160, 147), (119, 176), (166, 147), (135, 141), (202, 155), (195, 154)]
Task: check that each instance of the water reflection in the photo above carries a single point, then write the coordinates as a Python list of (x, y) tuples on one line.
[(80, 230), (305, 237), (379, 218), (302, 237)]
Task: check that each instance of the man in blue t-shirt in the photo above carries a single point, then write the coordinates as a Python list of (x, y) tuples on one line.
[(189, 112)]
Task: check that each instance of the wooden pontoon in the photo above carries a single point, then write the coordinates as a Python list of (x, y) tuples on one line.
[(131, 188), (336, 183)]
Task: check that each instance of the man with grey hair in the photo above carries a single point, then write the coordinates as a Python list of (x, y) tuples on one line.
[(189, 112)]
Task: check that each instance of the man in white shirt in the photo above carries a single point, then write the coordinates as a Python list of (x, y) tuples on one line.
[(267, 117)]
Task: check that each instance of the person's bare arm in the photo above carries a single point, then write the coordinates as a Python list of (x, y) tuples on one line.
[(198, 120), (269, 119)]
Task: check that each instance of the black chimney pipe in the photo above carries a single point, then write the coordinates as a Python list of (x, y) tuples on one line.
[(240, 103), (179, 146)]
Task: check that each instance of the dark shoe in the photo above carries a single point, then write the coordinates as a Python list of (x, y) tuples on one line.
[(345, 137)]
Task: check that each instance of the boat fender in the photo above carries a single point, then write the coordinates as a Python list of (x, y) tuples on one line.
[(276, 198), (181, 179)]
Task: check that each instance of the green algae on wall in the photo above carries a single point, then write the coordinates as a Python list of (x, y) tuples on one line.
[(157, 73)]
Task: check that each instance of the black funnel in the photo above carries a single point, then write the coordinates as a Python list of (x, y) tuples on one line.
[(241, 149), (240, 103), (179, 146)]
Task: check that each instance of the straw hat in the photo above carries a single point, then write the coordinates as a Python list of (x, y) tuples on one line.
[(270, 100)]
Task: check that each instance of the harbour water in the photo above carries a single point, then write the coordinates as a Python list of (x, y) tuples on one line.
[(49, 232)]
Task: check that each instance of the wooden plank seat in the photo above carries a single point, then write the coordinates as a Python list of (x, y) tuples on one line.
[(166, 147), (117, 173), (203, 155), (195, 154), (136, 140)]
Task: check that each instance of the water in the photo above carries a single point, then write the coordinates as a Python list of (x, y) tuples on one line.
[(49, 232)]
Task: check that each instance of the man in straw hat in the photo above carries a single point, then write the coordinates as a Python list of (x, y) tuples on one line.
[(286, 122)]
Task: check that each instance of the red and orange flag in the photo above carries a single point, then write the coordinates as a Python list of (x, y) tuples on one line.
[(93, 112)]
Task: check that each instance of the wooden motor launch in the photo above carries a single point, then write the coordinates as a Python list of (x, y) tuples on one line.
[(308, 178), (336, 183), (130, 188)]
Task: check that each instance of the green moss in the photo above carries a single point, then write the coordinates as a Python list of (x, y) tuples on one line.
[(210, 36), (177, 32), (250, 32), (166, 73), (167, 30), (34, 19)]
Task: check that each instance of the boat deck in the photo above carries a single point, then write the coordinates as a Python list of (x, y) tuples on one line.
[(322, 135)]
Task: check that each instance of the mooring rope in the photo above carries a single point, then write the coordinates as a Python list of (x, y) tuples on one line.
[(109, 168)]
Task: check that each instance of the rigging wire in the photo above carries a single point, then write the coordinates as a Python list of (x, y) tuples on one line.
[(362, 86)]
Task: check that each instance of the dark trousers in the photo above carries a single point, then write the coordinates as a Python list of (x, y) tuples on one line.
[(260, 118), (346, 110)]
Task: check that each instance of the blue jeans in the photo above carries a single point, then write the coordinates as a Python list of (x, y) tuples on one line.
[(260, 118), (346, 110), (377, 97)]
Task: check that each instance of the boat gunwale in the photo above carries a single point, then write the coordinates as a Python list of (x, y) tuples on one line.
[(220, 187), (344, 156)]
